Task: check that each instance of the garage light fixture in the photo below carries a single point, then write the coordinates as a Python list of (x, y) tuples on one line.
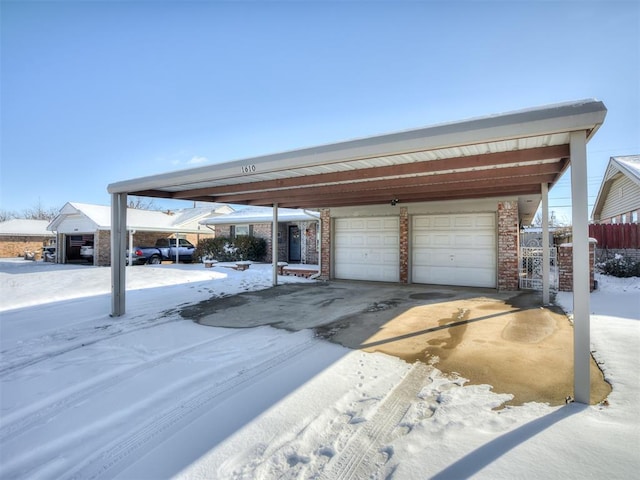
[(394, 202)]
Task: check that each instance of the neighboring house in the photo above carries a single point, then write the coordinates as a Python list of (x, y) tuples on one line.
[(19, 236), (618, 200), (298, 238), (80, 224)]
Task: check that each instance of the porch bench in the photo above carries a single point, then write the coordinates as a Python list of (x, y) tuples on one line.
[(281, 266)]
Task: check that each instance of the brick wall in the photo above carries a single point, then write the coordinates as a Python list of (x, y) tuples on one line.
[(263, 230), (102, 248), (16, 246), (508, 242), (311, 234), (404, 245), (565, 267), (325, 244), (223, 230)]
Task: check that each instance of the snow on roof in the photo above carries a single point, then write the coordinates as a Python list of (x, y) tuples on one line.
[(262, 215), (178, 220), (630, 165), (24, 227)]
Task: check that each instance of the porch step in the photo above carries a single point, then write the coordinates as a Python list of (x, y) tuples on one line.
[(299, 272)]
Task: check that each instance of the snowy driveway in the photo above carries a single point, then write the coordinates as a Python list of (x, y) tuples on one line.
[(502, 339), (153, 395)]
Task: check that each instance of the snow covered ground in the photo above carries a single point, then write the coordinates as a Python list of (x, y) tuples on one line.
[(151, 395)]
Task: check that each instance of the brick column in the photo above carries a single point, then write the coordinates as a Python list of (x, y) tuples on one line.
[(404, 245), (565, 266), (508, 246), (102, 248), (325, 244)]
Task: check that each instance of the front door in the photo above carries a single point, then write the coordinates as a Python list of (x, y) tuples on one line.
[(294, 243)]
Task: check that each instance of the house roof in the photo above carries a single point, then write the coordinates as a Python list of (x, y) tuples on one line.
[(25, 228), (261, 215), (137, 219), (628, 166), (503, 155)]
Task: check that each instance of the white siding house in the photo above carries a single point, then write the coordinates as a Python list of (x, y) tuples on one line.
[(80, 224), (618, 200)]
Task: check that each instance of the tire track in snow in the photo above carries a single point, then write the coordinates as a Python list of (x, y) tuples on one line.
[(63, 335), (105, 459), (23, 420), (356, 461)]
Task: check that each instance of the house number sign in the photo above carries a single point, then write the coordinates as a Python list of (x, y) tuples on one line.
[(248, 168)]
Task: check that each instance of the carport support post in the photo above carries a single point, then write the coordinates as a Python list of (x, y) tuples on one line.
[(545, 243), (581, 290), (118, 241), (274, 244)]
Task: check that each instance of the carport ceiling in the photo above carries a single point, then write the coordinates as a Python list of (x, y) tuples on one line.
[(506, 155)]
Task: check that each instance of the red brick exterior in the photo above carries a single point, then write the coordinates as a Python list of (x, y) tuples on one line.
[(404, 245), (565, 267), (263, 230), (16, 246), (508, 241), (325, 241)]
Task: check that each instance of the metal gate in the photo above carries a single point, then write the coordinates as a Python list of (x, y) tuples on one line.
[(531, 268)]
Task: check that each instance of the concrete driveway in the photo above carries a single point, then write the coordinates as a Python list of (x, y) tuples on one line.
[(502, 339)]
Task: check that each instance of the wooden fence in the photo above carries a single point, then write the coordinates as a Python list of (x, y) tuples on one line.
[(620, 235)]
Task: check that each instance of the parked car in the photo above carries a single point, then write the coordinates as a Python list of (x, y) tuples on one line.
[(86, 252), (164, 249)]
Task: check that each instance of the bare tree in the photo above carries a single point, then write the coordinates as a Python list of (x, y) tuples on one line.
[(7, 215), (142, 203), (40, 212)]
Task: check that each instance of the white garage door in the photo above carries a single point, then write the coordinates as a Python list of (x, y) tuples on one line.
[(367, 249), (457, 249)]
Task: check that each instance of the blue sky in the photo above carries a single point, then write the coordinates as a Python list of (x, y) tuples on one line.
[(95, 92)]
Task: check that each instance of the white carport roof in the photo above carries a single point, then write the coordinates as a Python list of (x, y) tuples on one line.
[(508, 154)]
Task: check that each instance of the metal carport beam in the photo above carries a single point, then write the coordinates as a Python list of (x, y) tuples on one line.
[(581, 273), (545, 243), (274, 244), (118, 262)]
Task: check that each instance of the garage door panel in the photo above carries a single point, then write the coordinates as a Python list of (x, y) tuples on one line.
[(457, 249), (485, 241), (486, 221), (463, 221), (463, 241), (421, 240), (441, 221), (471, 277)]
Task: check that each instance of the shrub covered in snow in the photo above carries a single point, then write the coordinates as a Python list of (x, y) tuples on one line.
[(620, 266), (225, 249)]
